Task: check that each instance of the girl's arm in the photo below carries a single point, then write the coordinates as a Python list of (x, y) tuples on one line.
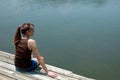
[(32, 46)]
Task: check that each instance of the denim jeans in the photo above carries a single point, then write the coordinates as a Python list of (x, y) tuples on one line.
[(32, 67)]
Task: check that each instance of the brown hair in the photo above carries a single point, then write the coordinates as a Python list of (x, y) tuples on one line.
[(22, 29)]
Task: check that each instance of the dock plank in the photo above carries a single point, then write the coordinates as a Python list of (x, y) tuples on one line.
[(7, 63), (5, 77)]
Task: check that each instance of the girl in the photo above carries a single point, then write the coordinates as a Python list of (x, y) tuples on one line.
[(24, 46)]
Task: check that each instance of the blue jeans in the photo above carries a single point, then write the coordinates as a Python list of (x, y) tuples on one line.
[(32, 67)]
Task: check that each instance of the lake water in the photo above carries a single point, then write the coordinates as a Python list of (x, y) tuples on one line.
[(79, 35)]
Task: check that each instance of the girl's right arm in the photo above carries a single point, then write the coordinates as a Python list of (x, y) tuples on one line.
[(32, 45)]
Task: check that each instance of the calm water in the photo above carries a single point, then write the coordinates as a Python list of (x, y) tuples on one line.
[(78, 35)]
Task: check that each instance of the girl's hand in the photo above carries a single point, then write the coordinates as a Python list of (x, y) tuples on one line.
[(52, 74)]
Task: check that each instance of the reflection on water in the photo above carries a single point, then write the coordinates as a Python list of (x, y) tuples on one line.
[(54, 2), (78, 35), (57, 3)]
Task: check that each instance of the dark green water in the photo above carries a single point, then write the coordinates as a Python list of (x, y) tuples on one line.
[(79, 35)]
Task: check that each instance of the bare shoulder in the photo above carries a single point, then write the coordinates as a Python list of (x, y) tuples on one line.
[(31, 44), (31, 41)]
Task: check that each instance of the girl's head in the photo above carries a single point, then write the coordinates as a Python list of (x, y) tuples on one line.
[(26, 29)]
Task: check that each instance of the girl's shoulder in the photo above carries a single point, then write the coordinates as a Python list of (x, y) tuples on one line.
[(31, 41)]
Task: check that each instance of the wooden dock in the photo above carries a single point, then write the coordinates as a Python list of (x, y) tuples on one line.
[(8, 71)]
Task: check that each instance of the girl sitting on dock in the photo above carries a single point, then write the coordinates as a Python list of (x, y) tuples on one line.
[(24, 47)]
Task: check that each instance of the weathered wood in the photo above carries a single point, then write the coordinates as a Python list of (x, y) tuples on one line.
[(7, 70), (4, 77), (14, 75)]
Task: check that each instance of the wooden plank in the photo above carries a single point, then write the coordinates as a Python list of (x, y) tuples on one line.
[(14, 75), (4, 77), (8, 59), (36, 73)]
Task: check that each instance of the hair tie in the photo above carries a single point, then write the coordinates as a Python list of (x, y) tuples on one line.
[(31, 26)]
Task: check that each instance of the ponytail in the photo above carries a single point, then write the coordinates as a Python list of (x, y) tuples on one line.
[(17, 36)]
